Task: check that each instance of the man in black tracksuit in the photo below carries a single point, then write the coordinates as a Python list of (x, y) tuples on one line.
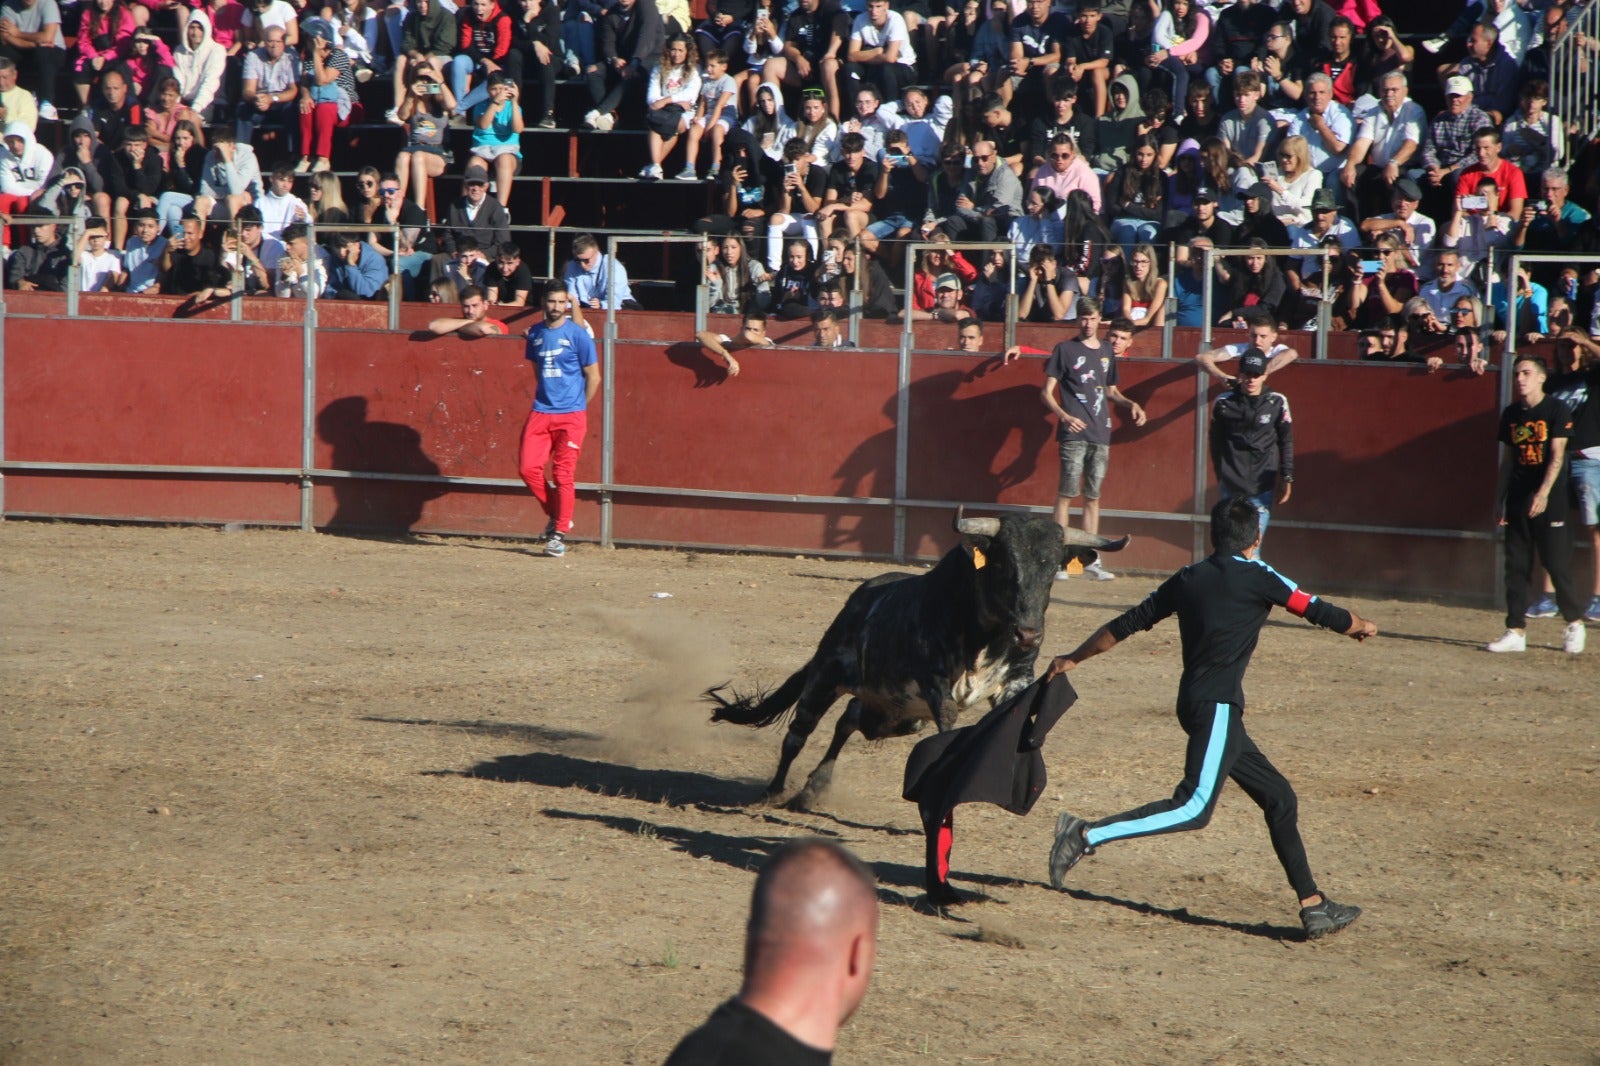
[(1221, 604), (1252, 439)]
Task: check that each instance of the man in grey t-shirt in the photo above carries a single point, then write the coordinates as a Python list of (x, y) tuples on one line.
[(30, 36), (1080, 384)]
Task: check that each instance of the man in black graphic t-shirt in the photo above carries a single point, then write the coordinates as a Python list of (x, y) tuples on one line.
[(1534, 506)]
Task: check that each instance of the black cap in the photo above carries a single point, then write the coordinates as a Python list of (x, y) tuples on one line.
[(1260, 191), (1207, 193), (1408, 189), (1253, 363)]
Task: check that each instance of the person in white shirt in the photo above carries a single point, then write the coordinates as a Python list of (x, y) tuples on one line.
[(880, 52), (1385, 143), (1443, 291), (1415, 229), (1326, 125), (99, 265), (279, 205)]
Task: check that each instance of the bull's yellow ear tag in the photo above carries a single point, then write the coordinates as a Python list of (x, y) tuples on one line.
[(979, 560), (1075, 566)]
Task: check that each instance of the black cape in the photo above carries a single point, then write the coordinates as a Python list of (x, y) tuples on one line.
[(995, 760)]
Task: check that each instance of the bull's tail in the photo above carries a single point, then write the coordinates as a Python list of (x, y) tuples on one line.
[(758, 708)]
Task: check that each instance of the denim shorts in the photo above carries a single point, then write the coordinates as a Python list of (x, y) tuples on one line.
[(1586, 489), (1083, 469), (888, 227)]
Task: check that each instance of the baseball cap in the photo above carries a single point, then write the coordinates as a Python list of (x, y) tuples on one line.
[(1207, 193), (1322, 200), (1253, 363), (1259, 191), (947, 281), (319, 27), (1458, 86), (1408, 189), (475, 177)]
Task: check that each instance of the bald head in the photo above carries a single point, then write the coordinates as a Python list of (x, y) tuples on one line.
[(812, 940)]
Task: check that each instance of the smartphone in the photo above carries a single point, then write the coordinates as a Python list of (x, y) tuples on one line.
[(1370, 266), (788, 168), (431, 87), (1540, 206), (829, 256), (1475, 203)]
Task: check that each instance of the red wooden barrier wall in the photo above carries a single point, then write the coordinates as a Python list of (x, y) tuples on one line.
[(1377, 446)]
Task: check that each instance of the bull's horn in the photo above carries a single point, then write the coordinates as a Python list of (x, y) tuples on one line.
[(975, 527), (1077, 538)]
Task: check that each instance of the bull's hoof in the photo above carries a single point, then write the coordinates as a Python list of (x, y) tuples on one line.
[(768, 798), (804, 801), (947, 895)]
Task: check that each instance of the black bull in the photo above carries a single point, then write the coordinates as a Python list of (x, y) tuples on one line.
[(913, 648)]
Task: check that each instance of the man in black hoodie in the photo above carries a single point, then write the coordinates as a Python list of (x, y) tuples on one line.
[(1252, 439), (42, 263), (632, 37)]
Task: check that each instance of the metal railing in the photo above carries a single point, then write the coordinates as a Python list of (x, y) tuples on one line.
[(1575, 75)]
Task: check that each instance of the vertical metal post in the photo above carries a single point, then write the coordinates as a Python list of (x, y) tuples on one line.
[(236, 283), (608, 386), (902, 405), (394, 280), (1202, 420), (1325, 304), (74, 231), (550, 254), (1324, 322), (854, 297), (1170, 322), (1011, 302), (308, 382)]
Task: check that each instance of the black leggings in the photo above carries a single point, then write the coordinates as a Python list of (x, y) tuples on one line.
[(1219, 749), (1550, 536)]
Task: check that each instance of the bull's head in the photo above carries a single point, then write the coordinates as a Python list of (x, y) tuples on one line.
[(1016, 558)]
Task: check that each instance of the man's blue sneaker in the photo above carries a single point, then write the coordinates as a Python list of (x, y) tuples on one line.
[(1545, 608), (556, 546)]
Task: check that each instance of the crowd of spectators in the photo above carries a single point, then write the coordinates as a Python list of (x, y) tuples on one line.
[(1089, 137)]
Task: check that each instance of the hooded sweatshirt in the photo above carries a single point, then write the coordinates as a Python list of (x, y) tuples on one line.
[(434, 34), (24, 174), (1115, 131), (199, 70)]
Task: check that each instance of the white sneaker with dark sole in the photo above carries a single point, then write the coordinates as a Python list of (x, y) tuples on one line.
[(1098, 573), (1575, 638), (1512, 641)]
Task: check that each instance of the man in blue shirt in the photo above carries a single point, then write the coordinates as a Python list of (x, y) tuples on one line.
[(358, 270), (142, 257), (592, 276), (563, 357)]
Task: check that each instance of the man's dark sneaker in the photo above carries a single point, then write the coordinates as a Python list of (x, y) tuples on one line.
[(1070, 846), (556, 546), (549, 528), (1327, 917)]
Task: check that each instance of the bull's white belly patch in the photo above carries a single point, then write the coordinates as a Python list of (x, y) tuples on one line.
[(983, 682)]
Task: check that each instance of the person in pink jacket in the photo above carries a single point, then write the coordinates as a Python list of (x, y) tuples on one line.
[(105, 26), (1178, 40)]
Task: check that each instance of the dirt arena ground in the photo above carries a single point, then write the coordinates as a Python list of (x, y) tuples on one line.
[(275, 798)]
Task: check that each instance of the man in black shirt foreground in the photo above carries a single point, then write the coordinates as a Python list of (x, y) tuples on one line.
[(808, 955), (1221, 604)]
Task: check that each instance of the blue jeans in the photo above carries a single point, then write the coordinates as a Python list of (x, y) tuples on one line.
[(170, 209), (460, 70), (1131, 231), (578, 36)]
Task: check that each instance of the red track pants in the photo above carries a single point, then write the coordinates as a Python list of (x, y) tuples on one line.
[(556, 439)]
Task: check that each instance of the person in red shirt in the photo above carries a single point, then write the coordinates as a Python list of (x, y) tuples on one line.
[(474, 320), (485, 41), (1508, 177)]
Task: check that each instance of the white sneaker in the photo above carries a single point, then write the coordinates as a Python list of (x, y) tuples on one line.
[(303, 167), (1062, 575), (591, 118), (1576, 635), (1512, 641), (1433, 44), (651, 173), (391, 115), (48, 113), (604, 123), (1098, 572)]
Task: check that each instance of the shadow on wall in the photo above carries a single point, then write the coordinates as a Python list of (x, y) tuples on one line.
[(974, 432), (359, 445)]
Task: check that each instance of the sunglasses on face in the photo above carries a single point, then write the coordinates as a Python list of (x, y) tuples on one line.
[(366, 184), (1461, 310), (390, 190), (982, 158), (1060, 155)]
